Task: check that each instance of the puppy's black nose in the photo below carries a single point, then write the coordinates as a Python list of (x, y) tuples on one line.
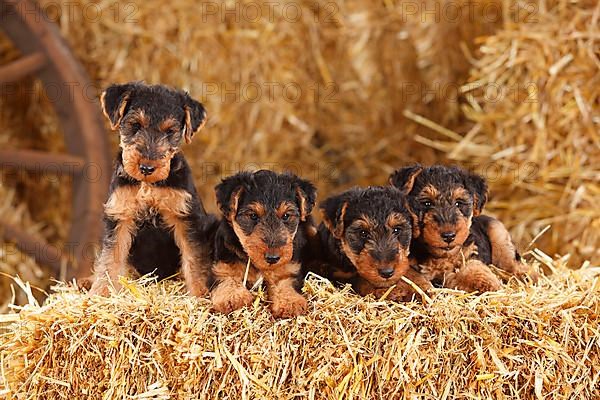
[(272, 258), (146, 169), (448, 236), (386, 272)]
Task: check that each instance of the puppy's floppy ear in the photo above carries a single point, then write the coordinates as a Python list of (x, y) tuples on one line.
[(404, 178), (228, 193), (478, 187), (195, 117), (114, 102), (333, 210), (414, 219), (306, 194)]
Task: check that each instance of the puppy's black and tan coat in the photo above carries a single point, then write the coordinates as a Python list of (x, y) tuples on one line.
[(266, 217), (452, 242), (365, 240), (154, 220)]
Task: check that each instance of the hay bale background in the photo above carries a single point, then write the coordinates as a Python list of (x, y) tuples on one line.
[(156, 342), (317, 91)]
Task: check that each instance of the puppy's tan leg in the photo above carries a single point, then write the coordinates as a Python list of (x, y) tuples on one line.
[(112, 261), (286, 302), (504, 252), (195, 259), (229, 293), (121, 208), (174, 206), (474, 276)]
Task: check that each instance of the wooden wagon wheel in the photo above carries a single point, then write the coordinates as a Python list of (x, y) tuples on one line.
[(45, 54)]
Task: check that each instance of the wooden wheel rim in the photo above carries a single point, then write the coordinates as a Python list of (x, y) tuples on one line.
[(46, 54)]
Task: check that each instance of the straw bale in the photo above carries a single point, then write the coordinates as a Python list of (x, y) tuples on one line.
[(533, 99), (154, 341)]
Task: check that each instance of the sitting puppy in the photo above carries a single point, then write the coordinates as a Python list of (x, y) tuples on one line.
[(453, 244), (365, 238), (154, 220), (265, 223)]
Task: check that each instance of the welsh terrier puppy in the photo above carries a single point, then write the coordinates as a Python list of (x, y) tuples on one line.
[(154, 220), (263, 233), (452, 243), (365, 241)]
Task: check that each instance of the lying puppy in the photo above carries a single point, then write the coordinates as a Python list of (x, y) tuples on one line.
[(154, 219), (453, 244), (266, 217), (365, 238)]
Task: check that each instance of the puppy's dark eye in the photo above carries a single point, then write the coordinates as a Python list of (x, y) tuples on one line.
[(136, 127), (285, 217), (363, 234), (253, 216), (427, 204), (396, 230), (458, 203)]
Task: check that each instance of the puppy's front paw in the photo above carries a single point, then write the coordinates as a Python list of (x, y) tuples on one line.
[(523, 271), (402, 292), (289, 307), (198, 290), (85, 283), (474, 276), (420, 281), (99, 288), (226, 300)]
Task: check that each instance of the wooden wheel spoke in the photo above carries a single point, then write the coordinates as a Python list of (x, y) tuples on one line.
[(22, 67), (36, 247), (39, 161)]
